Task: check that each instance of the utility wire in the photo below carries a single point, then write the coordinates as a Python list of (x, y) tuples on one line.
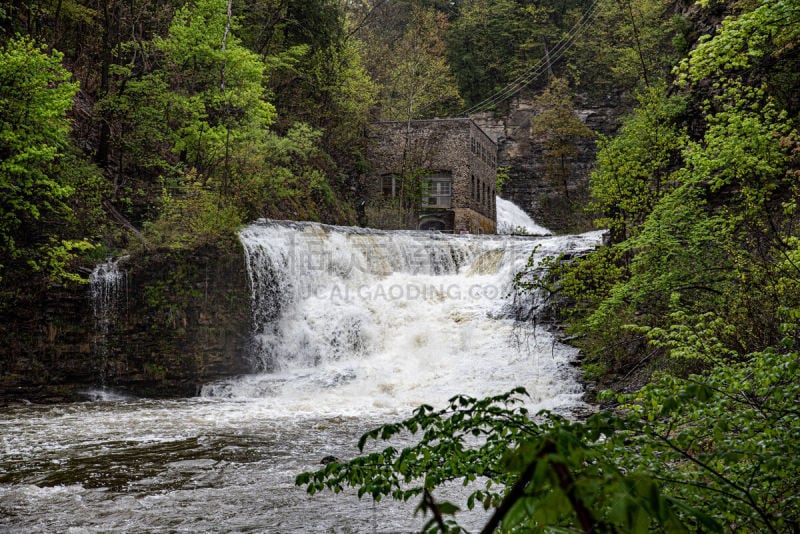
[(539, 68)]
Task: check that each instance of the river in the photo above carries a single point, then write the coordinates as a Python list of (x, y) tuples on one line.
[(352, 328)]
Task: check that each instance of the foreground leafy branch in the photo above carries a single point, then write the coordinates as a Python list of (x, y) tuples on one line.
[(713, 452)]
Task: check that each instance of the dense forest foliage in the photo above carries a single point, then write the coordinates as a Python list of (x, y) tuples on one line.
[(137, 124)]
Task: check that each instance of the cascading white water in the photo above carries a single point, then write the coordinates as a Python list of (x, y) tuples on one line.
[(511, 219), (108, 287), (357, 319)]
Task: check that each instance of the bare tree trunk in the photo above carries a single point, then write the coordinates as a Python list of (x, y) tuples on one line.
[(105, 67), (638, 44), (226, 167)]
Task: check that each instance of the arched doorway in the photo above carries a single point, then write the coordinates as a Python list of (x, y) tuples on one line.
[(433, 225)]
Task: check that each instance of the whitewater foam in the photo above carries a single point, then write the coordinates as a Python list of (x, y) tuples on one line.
[(359, 319)]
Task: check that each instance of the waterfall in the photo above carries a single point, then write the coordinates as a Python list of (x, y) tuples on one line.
[(363, 317), (511, 219), (352, 329), (108, 287)]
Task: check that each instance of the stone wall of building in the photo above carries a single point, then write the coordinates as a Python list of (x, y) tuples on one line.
[(483, 165), (472, 222), (420, 148)]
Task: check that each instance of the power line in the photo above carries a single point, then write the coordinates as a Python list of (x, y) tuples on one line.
[(539, 68)]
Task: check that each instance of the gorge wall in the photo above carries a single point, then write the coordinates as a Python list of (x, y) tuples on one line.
[(530, 185), (181, 318)]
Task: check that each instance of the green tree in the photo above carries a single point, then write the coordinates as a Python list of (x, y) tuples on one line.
[(219, 87), (559, 129), (494, 41), (142, 137), (635, 168), (628, 45), (354, 94), (701, 205), (420, 83), (35, 95)]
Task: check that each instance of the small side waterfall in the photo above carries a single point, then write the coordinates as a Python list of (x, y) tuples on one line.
[(511, 219), (357, 317), (108, 288)]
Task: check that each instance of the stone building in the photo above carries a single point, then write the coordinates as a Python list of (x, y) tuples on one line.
[(438, 174)]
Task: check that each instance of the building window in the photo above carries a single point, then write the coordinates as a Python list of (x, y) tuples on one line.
[(389, 186), (438, 191)]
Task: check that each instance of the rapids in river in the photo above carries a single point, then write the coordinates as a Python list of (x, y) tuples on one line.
[(351, 328)]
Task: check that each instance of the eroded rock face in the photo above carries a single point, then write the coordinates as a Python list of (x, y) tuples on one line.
[(551, 203), (181, 320)]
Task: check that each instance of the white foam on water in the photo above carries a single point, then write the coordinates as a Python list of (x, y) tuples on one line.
[(352, 329), (105, 395), (351, 321)]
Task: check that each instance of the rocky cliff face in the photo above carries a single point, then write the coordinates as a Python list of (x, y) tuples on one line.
[(530, 185), (181, 319)]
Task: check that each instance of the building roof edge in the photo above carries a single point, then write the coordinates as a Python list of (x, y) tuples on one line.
[(446, 119)]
